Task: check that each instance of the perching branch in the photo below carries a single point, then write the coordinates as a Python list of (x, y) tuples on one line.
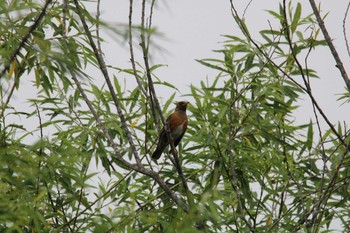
[(155, 102)]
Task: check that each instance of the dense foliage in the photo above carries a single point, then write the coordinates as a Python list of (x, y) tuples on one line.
[(82, 163)]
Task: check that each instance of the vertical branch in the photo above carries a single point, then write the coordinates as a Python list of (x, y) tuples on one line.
[(339, 63), (64, 18), (139, 83), (320, 134), (156, 105), (41, 148), (131, 49), (344, 29), (98, 26), (32, 225)]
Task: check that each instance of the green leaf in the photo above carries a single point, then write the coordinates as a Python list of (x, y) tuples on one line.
[(310, 134), (208, 64), (168, 102), (296, 18)]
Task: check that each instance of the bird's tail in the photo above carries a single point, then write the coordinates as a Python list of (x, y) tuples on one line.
[(156, 154)]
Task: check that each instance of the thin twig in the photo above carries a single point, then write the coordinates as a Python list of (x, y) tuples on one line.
[(4, 106), (344, 29), (324, 158), (233, 173), (246, 8), (131, 48), (64, 18), (339, 63), (155, 106), (98, 26)]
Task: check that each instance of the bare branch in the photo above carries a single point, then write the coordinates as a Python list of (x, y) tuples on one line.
[(155, 106), (344, 29), (339, 63), (133, 64), (131, 48), (98, 26)]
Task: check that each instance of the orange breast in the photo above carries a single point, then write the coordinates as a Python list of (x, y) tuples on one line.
[(178, 124)]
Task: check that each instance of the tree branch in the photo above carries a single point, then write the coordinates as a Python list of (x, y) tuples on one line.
[(344, 29), (339, 63), (145, 48)]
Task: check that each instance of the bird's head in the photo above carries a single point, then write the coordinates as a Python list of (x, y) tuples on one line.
[(181, 105)]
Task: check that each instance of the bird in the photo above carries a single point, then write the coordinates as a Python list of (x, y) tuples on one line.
[(177, 123)]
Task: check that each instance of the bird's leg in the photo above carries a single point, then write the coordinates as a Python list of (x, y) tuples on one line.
[(175, 150)]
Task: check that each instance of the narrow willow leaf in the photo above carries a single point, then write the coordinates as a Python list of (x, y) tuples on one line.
[(296, 18), (310, 134)]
